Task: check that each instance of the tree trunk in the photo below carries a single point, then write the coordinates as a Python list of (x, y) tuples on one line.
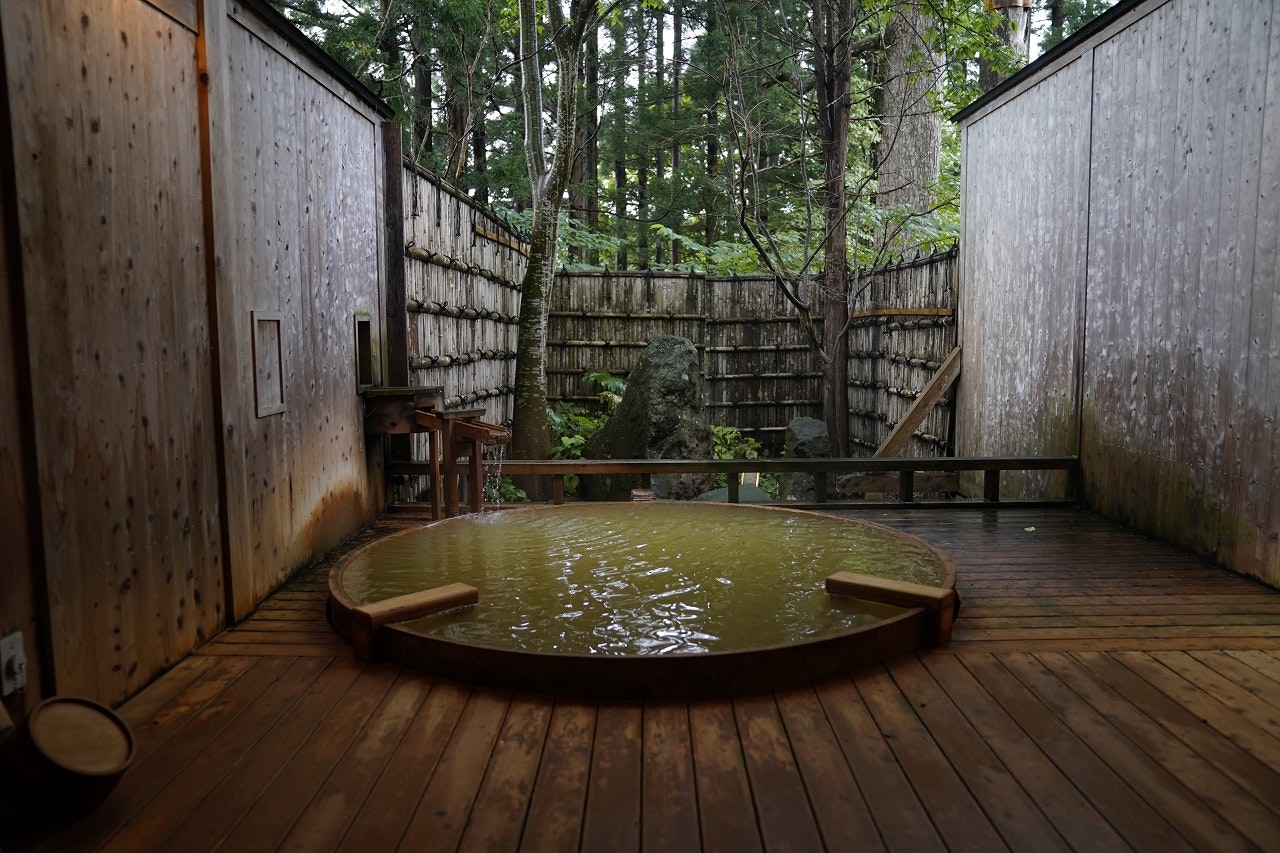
[(833, 65), (911, 132), (1014, 29), (618, 61), (591, 152), (480, 158), (530, 437), (659, 151), (642, 148), (677, 78), (420, 124)]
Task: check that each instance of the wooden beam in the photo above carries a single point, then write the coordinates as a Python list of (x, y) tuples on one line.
[(937, 600), (395, 317), (369, 618), (929, 397), (902, 312)]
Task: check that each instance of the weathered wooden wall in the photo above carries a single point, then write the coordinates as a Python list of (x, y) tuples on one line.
[(107, 155), (181, 172), (297, 207), (1169, 194), (1022, 272), (901, 330), (462, 277), (20, 585)]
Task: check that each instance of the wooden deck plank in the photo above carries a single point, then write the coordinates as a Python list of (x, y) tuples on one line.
[(140, 709), (187, 702), (726, 816), (1020, 823), (442, 814), (900, 817), (274, 648), (554, 822), (336, 803), (1254, 671), (152, 773), (1191, 725), (498, 816), (1190, 708), (193, 782), (669, 796), (395, 796), (1167, 623), (980, 608), (782, 805), (612, 817), (1136, 642), (1132, 817), (959, 817), (1258, 597), (844, 820), (218, 813), (1264, 716), (1100, 686), (1189, 791), (284, 800), (1071, 814)]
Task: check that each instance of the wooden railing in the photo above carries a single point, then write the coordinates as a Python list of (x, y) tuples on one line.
[(820, 469)]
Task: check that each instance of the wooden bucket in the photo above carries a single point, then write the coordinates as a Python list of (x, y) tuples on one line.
[(64, 759)]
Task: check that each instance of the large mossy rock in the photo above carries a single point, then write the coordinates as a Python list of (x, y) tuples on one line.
[(806, 438), (662, 416)]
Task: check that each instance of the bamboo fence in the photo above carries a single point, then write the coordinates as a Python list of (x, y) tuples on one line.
[(463, 267)]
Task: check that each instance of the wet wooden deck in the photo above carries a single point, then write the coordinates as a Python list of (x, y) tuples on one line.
[(1101, 692)]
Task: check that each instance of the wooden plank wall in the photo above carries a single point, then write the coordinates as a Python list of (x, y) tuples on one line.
[(298, 216), (176, 174), (108, 174), (20, 592), (903, 327), (1022, 269), (755, 358), (463, 270), (1178, 150)]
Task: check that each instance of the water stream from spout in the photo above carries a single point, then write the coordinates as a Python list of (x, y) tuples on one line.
[(493, 459)]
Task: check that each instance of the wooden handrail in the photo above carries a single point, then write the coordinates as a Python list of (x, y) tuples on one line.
[(831, 465), (991, 466)]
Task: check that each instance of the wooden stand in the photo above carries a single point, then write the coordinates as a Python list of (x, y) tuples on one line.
[(455, 441)]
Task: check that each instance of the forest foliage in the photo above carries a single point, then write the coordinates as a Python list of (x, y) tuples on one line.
[(683, 102)]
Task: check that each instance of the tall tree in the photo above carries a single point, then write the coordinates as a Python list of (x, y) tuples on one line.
[(907, 155), (563, 31), (833, 73), (1013, 29), (815, 66), (619, 125), (677, 94)]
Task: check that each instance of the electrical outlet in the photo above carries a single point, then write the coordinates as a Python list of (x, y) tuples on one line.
[(13, 664)]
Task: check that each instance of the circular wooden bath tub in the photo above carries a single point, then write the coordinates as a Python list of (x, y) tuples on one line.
[(651, 599)]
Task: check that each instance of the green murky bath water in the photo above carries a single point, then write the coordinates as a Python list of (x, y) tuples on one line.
[(640, 578)]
